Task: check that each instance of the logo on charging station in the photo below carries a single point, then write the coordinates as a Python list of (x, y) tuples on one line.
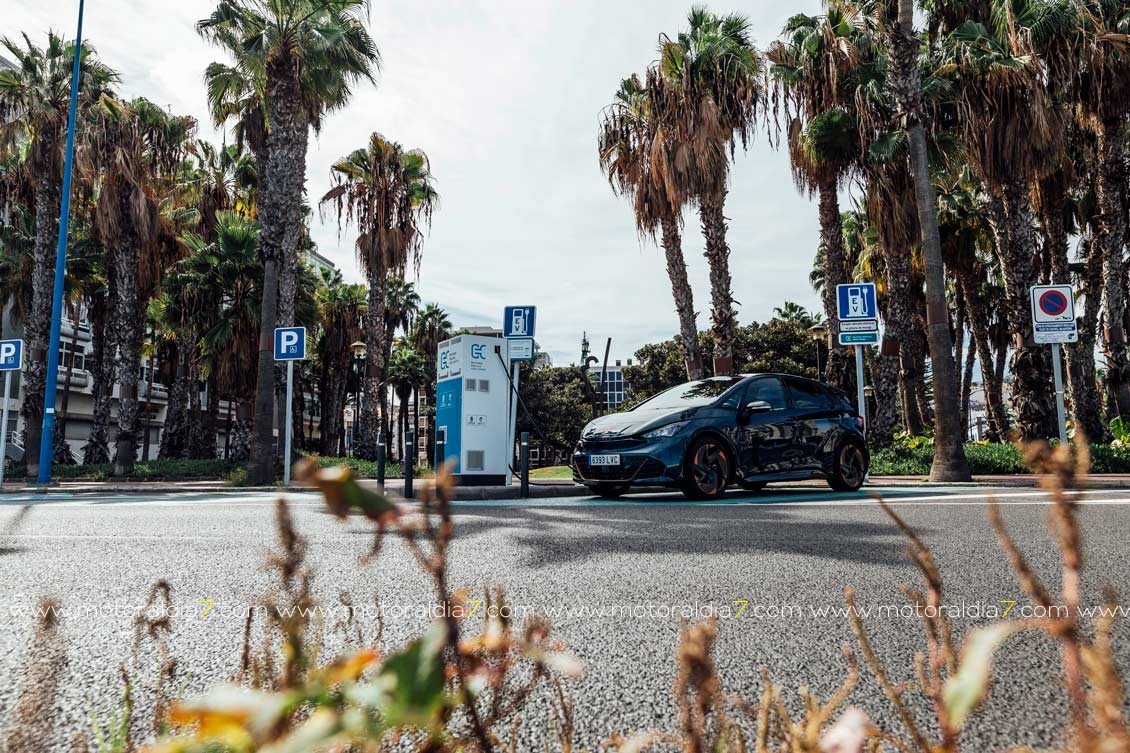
[(290, 343)]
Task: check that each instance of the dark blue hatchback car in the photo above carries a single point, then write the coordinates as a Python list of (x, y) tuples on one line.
[(703, 436)]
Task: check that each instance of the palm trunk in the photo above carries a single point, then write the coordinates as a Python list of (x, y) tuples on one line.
[(280, 215), (175, 436), (130, 326), (97, 447), (365, 429), (949, 450), (967, 388), (724, 318), (1016, 247), (838, 370), (241, 440), (1110, 237), (148, 409), (1086, 400), (684, 298), (1086, 408), (978, 310), (36, 328), (262, 467), (885, 422)]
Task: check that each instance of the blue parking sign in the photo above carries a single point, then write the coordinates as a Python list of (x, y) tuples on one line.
[(11, 355), (290, 343), (856, 301)]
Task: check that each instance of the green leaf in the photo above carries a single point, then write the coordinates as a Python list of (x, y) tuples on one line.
[(410, 687), (968, 687)]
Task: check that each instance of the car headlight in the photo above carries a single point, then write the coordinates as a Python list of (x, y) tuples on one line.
[(669, 430)]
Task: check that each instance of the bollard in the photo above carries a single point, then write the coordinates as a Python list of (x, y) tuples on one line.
[(524, 460), (381, 458), (406, 462)]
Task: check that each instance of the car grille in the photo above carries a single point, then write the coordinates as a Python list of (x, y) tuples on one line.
[(609, 445)]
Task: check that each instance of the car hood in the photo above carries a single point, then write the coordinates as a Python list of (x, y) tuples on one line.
[(633, 422)]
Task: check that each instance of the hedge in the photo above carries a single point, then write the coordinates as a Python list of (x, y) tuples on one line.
[(986, 459)]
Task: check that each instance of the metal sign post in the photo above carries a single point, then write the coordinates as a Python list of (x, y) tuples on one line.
[(290, 346), (861, 396), (1053, 322), (11, 358)]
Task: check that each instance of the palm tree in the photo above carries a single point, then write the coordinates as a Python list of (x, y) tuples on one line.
[(430, 329), (1013, 136), (1088, 49), (792, 311), (229, 348), (906, 84), (303, 56), (813, 72), (37, 90), (628, 135), (142, 147), (406, 371), (706, 91), (401, 304), (389, 193), (340, 310)]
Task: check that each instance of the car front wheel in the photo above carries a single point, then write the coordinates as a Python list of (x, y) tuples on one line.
[(707, 469), (849, 468)]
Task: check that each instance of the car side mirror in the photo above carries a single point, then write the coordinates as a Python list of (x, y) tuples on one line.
[(755, 406)]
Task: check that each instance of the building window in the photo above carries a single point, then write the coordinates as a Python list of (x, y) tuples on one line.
[(70, 351)]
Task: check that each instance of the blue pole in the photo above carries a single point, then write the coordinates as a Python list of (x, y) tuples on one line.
[(46, 441)]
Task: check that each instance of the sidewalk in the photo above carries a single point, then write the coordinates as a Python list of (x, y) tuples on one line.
[(539, 488)]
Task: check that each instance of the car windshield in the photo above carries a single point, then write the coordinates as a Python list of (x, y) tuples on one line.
[(690, 394)]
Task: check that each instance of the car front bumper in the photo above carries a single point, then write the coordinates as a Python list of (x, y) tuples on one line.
[(642, 462)]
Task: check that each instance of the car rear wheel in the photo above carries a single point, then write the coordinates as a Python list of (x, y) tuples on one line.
[(849, 468), (707, 469), (609, 491)]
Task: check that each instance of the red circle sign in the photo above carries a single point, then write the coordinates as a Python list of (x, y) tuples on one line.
[(1053, 302)]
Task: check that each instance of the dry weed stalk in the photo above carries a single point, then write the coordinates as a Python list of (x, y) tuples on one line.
[(31, 722)]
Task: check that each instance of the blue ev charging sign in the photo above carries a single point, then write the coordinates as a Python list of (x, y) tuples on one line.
[(519, 321)]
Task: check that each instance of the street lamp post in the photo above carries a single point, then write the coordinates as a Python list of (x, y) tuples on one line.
[(818, 332), (46, 439)]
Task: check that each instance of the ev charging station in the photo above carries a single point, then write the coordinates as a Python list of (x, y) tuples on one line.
[(477, 402)]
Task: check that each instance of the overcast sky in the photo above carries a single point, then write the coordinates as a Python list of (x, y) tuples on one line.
[(504, 96)]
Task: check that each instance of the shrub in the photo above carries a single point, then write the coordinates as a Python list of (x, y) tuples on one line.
[(914, 458), (151, 470)]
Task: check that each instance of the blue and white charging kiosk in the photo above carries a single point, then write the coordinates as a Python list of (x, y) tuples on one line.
[(473, 422)]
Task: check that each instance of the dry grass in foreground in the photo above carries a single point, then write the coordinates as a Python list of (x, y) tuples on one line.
[(452, 691)]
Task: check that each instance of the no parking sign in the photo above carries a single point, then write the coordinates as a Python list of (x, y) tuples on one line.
[(1053, 314)]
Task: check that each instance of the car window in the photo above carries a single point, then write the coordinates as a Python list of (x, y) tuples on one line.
[(808, 395), (691, 394), (769, 390)]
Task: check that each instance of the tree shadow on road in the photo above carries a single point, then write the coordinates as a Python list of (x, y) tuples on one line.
[(554, 536)]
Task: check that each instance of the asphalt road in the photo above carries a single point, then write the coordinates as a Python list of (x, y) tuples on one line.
[(617, 576)]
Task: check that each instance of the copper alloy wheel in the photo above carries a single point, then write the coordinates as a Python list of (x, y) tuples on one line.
[(852, 469), (710, 469)]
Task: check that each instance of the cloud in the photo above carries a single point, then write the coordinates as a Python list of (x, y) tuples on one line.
[(504, 97)]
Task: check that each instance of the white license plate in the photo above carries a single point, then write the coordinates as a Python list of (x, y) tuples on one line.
[(604, 460)]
